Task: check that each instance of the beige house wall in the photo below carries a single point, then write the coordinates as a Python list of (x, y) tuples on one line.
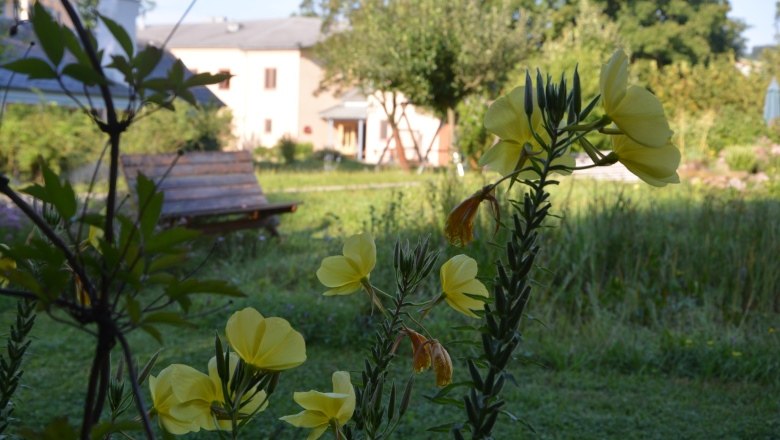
[(247, 97), (312, 103)]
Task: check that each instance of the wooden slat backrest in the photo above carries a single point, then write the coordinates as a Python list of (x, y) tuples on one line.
[(202, 183)]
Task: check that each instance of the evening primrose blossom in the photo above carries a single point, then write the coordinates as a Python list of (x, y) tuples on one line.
[(182, 398), (458, 279), (656, 166), (506, 118), (268, 344), (345, 274), (323, 410), (636, 111)]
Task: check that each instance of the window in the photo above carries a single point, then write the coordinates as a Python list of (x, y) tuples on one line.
[(268, 126), (225, 85), (383, 130), (270, 78)]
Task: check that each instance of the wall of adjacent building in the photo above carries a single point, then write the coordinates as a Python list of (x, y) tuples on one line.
[(311, 103), (247, 97)]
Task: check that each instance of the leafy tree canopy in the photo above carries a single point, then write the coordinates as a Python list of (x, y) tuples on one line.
[(664, 31)]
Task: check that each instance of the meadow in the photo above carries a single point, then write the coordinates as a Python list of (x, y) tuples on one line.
[(656, 312)]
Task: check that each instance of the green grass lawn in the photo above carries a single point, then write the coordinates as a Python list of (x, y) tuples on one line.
[(655, 314)]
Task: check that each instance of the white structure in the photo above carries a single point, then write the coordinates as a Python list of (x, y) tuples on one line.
[(358, 127), (274, 88)]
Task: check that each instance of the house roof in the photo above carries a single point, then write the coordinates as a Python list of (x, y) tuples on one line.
[(33, 91), (270, 34), (345, 111)]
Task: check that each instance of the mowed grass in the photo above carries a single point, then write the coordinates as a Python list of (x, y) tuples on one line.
[(654, 315)]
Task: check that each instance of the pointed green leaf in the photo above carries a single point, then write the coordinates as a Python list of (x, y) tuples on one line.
[(149, 203), (83, 74), (73, 45), (49, 33), (153, 332), (205, 79), (34, 68), (145, 62), (119, 33)]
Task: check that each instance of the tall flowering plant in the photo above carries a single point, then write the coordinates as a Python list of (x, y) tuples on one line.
[(537, 125)]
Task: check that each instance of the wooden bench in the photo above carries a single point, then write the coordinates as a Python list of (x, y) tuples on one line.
[(209, 191)]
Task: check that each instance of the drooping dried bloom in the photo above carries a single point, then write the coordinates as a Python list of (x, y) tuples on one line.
[(442, 364), (459, 228), (421, 351)]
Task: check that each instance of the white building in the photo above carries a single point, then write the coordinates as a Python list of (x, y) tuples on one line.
[(274, 89)]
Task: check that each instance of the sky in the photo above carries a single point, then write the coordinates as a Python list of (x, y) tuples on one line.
[(758, 14)]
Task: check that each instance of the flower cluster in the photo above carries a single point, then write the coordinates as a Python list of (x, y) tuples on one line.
[(187, 400), (633, 118)]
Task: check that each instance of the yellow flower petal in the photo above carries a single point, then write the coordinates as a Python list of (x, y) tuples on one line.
[(502, 157), (640, 116), (457, 271), (307, 419), (506, 116), (656, 166), (343, 385), (182, 397), (346, 289), (337, 271), (321, 408), (361, 250), (457, 278), (614, 80), (344, 273), (266, 343)]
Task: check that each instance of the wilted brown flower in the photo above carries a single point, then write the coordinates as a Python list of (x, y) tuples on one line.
[(442, 364), (421, 351), (459, 228)]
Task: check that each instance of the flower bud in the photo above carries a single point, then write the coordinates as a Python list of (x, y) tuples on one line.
[(442, 364)]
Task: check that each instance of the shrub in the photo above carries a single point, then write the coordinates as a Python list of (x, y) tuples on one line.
[(742, 158)]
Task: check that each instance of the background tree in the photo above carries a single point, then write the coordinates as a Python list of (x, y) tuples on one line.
[(664, 31), (432, 53)]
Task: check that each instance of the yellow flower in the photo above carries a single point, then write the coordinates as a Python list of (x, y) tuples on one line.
[(506, 119), (458, 279), (442, 364), (252, 402), (656, 166), (182, 398), (344, 274), (269, 344), (636, 111), (322, 409), (459, 228)]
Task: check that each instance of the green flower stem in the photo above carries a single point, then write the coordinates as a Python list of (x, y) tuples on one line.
[(511, 291)]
